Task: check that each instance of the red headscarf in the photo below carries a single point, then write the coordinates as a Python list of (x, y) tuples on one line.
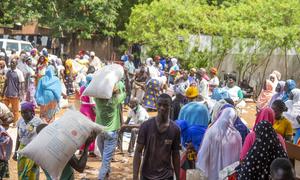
[(266, 114)]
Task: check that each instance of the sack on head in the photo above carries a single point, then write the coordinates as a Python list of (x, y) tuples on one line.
[(104, 81)]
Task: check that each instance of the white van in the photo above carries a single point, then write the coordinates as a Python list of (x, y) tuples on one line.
[(17, 45)]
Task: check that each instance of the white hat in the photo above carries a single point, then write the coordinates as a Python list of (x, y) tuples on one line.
[(2, 54), (92, 53)]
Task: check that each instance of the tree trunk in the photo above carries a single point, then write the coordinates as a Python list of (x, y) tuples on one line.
[(265, 69)]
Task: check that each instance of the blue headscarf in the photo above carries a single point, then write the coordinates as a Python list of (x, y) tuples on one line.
[(194, 113), (88, 79), (193, 134), (238, 124), (291, 84), (219, 93), (49, 88)]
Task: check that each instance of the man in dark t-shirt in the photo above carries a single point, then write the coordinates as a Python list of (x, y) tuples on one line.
[(159, 142)]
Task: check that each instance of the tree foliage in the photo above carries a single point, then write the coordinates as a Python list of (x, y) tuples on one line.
[(84, 18), (264, 24)]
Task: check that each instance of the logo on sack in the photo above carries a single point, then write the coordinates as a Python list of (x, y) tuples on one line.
[(74, 133)]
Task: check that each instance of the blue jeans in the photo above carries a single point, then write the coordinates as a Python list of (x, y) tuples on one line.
[(107, 143)]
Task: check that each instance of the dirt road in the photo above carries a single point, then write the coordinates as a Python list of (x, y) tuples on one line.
[(122, 164)]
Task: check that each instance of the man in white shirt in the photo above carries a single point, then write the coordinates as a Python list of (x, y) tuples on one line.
[(203, 86), (136, 117)]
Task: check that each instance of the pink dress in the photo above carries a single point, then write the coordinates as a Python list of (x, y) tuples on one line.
[(249, 141), (266, 114), (87, 108)]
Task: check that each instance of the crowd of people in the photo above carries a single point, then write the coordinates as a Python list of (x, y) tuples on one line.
[(197, 126)]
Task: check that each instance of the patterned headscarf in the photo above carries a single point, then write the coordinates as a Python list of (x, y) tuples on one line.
[(265, 149)]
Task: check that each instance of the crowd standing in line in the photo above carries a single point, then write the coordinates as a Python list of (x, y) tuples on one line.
[(197, 114)]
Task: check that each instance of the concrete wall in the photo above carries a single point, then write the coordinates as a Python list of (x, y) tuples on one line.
[(277, 62)]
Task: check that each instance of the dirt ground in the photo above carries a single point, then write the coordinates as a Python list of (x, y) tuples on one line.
[(122, 164)]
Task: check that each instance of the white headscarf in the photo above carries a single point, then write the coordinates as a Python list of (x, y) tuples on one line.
[(278, 74), (149, 62), (293, 108), (221, 145), (274, 84), (216, 109), (174, 61)]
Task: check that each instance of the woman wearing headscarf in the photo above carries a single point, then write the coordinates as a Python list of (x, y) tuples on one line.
[(194, 113), (277, 74), (153, 89), (191, 138), (27, 169), (179, 101), (274, 81), (293, 113), (151, 69), (265, 149), (218, 145), (265, 95), (31, 82), (69, 76), (289, 86), (34, 56), (266, 114), (193, 122), (238, 124), (41, 67), (87, 108), (173, 70), (48, 94), (279, 92)]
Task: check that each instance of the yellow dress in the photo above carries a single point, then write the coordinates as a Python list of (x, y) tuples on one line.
[(283, 127)]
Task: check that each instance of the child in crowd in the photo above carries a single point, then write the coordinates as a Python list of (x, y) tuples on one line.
[(282, 169)]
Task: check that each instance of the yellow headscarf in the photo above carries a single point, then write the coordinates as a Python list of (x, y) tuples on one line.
[(69, 66), (192, 92)]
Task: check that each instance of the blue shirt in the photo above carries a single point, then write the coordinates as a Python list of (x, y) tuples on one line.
[(163, 63)]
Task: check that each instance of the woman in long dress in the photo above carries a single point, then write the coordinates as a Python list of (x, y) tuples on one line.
[(265, 149), (221, 145), (87, 108), (48, 94)]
